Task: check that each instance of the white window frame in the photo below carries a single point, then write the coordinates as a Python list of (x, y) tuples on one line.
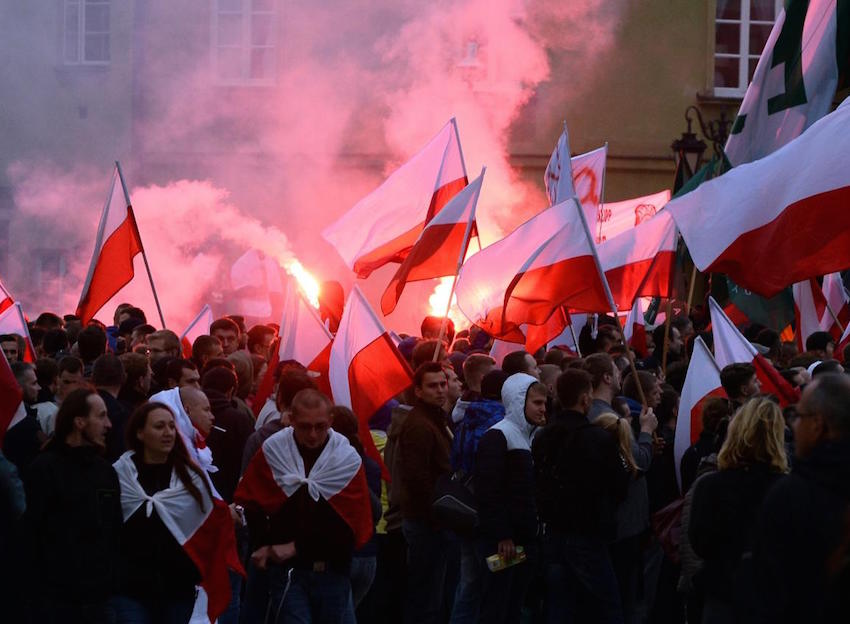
[(744, 54), (81, 33), (246, 46)]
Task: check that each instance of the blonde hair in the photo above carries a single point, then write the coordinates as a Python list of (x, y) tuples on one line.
[(620, 428), (756, 435)]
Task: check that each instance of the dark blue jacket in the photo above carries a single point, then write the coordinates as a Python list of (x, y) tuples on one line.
[(479, 417)]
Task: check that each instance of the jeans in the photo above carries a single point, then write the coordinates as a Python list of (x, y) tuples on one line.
[(470, 588), (504, 591), (580, 580), (132, 611), (231, 615), (305, 597), (256, 600), (427, 555), (362, 576)]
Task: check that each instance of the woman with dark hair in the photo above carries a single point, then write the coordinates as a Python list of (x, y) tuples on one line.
[(162, 490)]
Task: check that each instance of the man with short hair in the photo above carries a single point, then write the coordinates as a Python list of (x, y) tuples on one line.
[(521, 362), (430, 329), (454, 388), (260, 339), (137, 385), (108, 377), (424, 352), (140, 334), (605, 378), (740, 382), (91, 344), (821, 344), (204, 349), (801, 556), (308, 507), (227, 332), (23, 440), (180, 372), (475, 367), (163, 344), (9, 344), (423, 448)]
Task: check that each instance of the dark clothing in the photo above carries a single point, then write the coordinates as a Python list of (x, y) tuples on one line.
[(723, 516), (227, 446), (703, 447), (579, 477), (801, 557), (423, 445), (661, 481), (373, 480), (71, 524), (131, 398), (23, 441), (153, 566), (256, 439), (118, 416), (480, 415)]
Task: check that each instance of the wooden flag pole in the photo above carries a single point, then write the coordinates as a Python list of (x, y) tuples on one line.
[(834, 316), (691, 290), (667, 321)]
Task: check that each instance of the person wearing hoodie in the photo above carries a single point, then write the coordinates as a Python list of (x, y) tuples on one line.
[(504, 487), (801, 556)]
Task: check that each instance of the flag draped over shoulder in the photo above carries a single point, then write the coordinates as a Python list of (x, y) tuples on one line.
[(779, 220), (795, 79), (199, 326), (383, 226), (13, 321), (116, 244), (205, 532), (440, 248)]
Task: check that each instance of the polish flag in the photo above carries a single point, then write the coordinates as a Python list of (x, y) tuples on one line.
[(640, 261), (701, 382), (731, 347), (558, 177), (533, 337), (588, 180), (809, 308), (198, 327), (11, 399), (206, 534), (6, 300), (441, 247), (366, 368), (276, 472), (383, 226), (117, 243), (559, 272), (12, 321), (842, 342), (780, 219), (836, 296), (302, 337), (256, 278), (635, 330), (618, 217)]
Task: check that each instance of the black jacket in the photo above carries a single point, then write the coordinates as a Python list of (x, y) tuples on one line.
[(580, 478), (118, 415), (703, 447), (802, 551), (724, 510), (71, 525), (227, 446), (23, 441)]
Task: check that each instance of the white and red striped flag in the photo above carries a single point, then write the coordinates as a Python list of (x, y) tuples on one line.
[(617, 217), (809, 309), (200, 326), (701, 381), (12, 321), (440, 248), (634, 331), (303, 338), (788, 207), (366, 368), (842, 343), (839, 303), (383, 226), (276, 472), (205, 533), (731, 347), (117, 243), (558, 177), (589, 182), (11, 399), (6, 299), (640, 261)]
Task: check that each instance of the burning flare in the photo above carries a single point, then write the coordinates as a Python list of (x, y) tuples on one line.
[(438, 300), (309, 285)]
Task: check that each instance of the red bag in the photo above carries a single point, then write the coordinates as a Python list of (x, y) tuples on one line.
[(667, 526)]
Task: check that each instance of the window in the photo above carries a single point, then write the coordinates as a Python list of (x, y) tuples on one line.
[(86, 39), (244, 41), (741, 29)]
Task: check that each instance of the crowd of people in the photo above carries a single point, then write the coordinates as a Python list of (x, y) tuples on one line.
[(541, 488)]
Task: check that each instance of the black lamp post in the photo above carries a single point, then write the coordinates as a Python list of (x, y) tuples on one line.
[(691, 148), (688, 147)]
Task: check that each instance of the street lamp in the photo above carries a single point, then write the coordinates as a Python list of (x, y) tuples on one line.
[(689, 147)]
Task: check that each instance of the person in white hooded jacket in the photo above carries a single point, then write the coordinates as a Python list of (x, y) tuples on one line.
[(505, 492)]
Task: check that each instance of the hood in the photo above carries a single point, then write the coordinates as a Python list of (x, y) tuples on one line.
[(515, 427)]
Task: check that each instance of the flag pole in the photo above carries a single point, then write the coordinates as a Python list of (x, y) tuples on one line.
[(669, 315), (463, 249), (602, 195), (834, 316), (609, 295), (144, 255), (691, 289)]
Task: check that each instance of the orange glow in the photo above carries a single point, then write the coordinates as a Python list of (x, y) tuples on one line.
[(309, 285), (438, 300)]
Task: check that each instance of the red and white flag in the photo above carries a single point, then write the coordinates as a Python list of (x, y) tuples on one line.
[(384, 225), (6, 299), (701, 381), (200, 326), (731, 347), (276, 472), (617, 217), (533, 337), (366, 368), (640, 261), (839, 302), (635, 329), (780, 219), (809, 308), (842, 342), (11, 399), (256, 278), (441, 247), (558, 177), (589, 181), (206, 534), (117, 243), (303, 338), (12, 321)]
